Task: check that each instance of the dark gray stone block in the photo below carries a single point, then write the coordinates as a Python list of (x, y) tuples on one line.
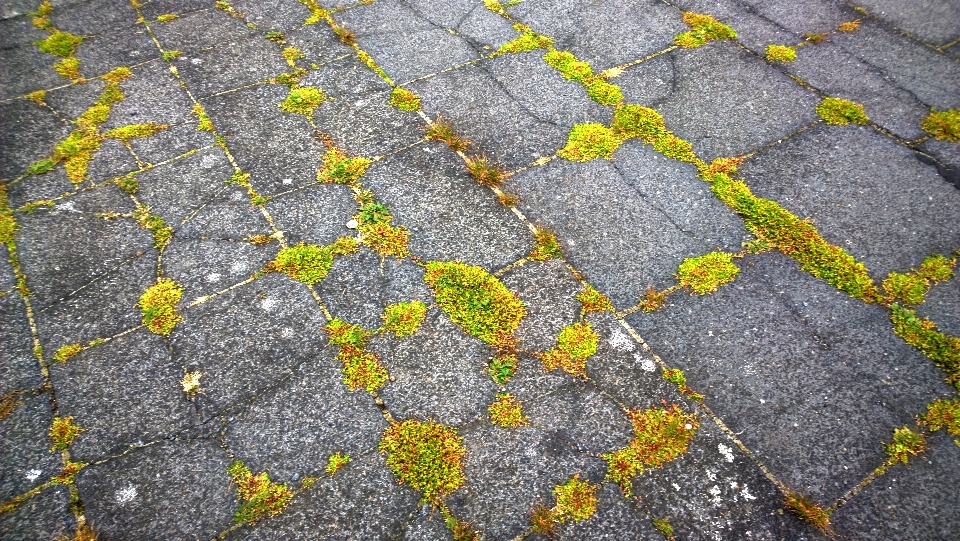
[(93, 16), (346, 79), (122, 47), (25, 69), (26, 456), (29, 134), (354, 289), (201, 30), (228, 216), (152, 94), (319, 45), (814, 16), (547, 290), (41, 518), (16, 30), (579, 414), (275, 16), (942, 307), (173, 142), (176, 190), (226, 66), (368, 126), (316, 214), (754, 31), (481, 27), (154, 8), (204, 267), (936, 23), (19, 369)]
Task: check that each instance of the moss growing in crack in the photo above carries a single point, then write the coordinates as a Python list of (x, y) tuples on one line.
[(135, 131), (527, 41), (841, 112), (922, 334), (810, 511), (307, 263), (404, 318), (64, 353), (906, 443), (441, 130), (485, 171), (475, 300), (37, 97), (303, 100), (336, 461), (159, 306), (290, 80), (594, 301), (225, 6), (385, 239), (203, 121), (68, 474), (276, 37), (344, 246), (68, 68), (291, 55), (704, 28), (155, 224), (604, 93), (368, 60), (171, 55), (590, 141), (781, 53), (317, 13), (706, 273), (338, 168), (547, 246), (191, 383), (258, 495), (8, 224), (636, 121), (575, 344), (943, 415), (502, 367), (569, 66), (506, 411), (678, 378), (908, 288), (8, 403), (794, 237), (117, 75), (663, 526), (576, 500), (849, 26), (426, 455), (944, 125), (660, 435), (63, 432), (405, 100), (129, 183), (59, 43), (361, 368), (167, 17)]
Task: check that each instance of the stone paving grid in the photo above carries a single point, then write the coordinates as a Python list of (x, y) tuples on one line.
[(802, 382)]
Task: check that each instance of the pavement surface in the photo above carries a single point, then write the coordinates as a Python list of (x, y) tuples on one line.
[(453, 269)]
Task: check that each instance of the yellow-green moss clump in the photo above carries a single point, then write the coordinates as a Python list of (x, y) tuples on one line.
[(59, 43), (575, 344), (337, 460), (303, 100), (405, 100), (590, 141), (377, 233), (475, 300), (659, 436), (781, 53), (67, 352), (361, 368), (307, 263), (426, 455), (944, 125), (63, 432), (547, 246), (338, 168), (506, 411), (841, 112), (808, 510), (159, 306), (906, 443), (922, 334), (594, 301), (636, 121), (678, 378), (910, 287), (404, 318), (706, 273), (663, 526), (576, 500), (598, 89), (528, 41), (258, 495), (8, 224), (704, 28), (135, 131), (943, 414)]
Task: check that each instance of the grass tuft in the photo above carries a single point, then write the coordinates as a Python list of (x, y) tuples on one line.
[(547, 246), (678, 378), (604, 93), (441, 130), (485, 171), (652, 300), (506, 411), (849, 26), (841, 112), (426, 455), (663, 526), (135, 131), (944, 125), (291, 55), (68, 68), (705, 274), (590, 141), (808, 510)]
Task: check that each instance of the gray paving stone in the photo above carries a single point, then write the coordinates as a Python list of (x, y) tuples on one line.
[(25, 69), (547, 290), (863, 192), (614, 519), (111, 160), (809, 379), (437, 373), (224, 67), (318, 44), (123, 393), (317, 214), (176, 190), (175, 489), (936, 23), (711, 97), (93, 16), (368, 126), (942, 308), (27, 459), (427, 526), (280, 332), (204, 267), (39, 187), (171, 143), (345, 78), (403, 282), (353, 290), (32, 135), (16, 30), (70, 101), (948, 154), (580, 415), (814, 16), (428, 185), (292, 431), (482, 111), (604, 37), (200, 30), (621, 242), (18, 367), (155, 8), (43, 517), (229, 215), (266, 142), (276, 16), (754, 30), (930, 76), (362, 501), (152, 94), (478, 25), (403, 44), (122, 47), (911, 500)]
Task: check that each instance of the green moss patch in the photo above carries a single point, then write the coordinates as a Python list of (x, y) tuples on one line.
[(660, 435), (303, 100), (943, 415), (604, 93), (338, 168), (528, 41), (678, 378), (68, 68), (841, 112), (594, 301), (167, 17), (568, 66), (37, 97), (135, 131), (426, 455), (704, 28), (922, 334), (781, 53), (291, 55), (706, 273), (475, 300), (117, 75), (404, 318), (155, 224), (507, 412), (547, 246), (575, 344), (65, 353), (576, 500), (307, 263), (8, 224), (906, 443), (808, 510), (361, 368), (159, 306), (502, 367), (368, 60), (405, 100), (663, 526), (62, 433), (636, 121), (258, 495), (337, 460), (944, 125), (59, 43), (590, 141)]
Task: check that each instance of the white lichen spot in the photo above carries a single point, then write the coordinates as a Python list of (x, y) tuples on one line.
[(727, 452), (268, 304), (213, 277), (647, 365), (287, 181), (711, 475), (353, 224), (287, 332), (746, 494), (676, 487), (68, 206), (196, 61), (621, 341), (126, 495), (715, 492), (238, 267), (191, 383), (208, 161), (33, 474)]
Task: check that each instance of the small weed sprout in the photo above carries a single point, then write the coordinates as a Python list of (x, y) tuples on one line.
[(337, 460), (159, 306), (575, 344), (303, 100), (808, 510), (544, 521), (576, 500), (66, 352), (404, 318), (704, 28), (943, 414), (594, 301), (63, 432), (260, 497), (426, 455), (506, 411), (906, 443), (441, 130), (191, 383), (944, 125), (781, 53), (840, 112), (485, 171), (652, 300), (590, 141), (502, 367), (547, 246), (706, 273), (405, 100)]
